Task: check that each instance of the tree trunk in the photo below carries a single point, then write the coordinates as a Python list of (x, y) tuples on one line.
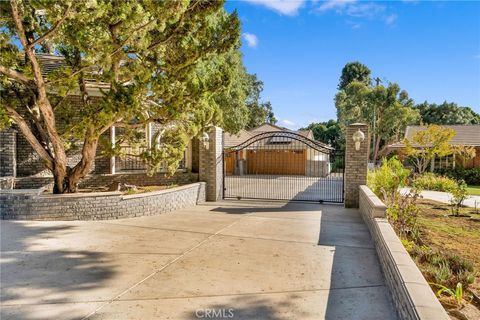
[(68, 183), (377, 147)]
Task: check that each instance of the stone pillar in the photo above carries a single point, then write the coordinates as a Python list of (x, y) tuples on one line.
[(8, 153), (356, 164), (211, 164)]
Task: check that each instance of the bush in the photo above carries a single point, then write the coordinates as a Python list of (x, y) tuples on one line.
[(470, 176), (386, 180), (431, 181)]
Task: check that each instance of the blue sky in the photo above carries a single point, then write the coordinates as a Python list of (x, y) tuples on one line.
[(298, 48)]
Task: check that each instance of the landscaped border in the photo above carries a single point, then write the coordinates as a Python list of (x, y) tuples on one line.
[(25, 204), (411, 293)]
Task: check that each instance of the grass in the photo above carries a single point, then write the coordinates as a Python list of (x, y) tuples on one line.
[(473, 190)]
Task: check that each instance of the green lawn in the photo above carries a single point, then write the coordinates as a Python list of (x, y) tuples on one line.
[(474, 190)]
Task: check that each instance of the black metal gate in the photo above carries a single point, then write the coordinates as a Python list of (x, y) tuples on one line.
[(283, 165)]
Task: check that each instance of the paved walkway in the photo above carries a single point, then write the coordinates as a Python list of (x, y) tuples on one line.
[(252, 260), (444, 197)]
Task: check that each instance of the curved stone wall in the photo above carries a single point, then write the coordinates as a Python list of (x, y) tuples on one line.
[(32, 204)]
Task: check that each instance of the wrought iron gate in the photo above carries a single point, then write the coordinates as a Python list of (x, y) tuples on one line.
[(283, 165)]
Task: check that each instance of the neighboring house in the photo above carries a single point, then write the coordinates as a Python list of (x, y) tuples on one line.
[(465, 135), (264, 152), (18, 159)]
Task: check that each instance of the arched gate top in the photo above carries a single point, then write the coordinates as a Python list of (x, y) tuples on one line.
[(287, 135)]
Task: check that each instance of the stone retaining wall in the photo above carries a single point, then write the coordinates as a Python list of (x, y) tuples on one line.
[(411, 293), (103, 180), (33, 205)]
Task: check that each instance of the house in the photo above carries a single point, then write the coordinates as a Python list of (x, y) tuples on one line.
[(465, 135), (272, 150), (18, 159)]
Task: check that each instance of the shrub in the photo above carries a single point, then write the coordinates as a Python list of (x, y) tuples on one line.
[(386, 180), (470, 176), (402, 212), (431, 181), (459, 194)]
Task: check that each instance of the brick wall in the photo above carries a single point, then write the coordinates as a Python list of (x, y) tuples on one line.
[(211, 164), (8, 162), (356, 164), (412, 296), (103, 180), (30, 205)]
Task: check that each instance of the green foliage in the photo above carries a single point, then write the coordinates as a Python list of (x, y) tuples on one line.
[(386, 109), (259, 112), (402, 212), (175, 63), (354, 71), (470, 176), (459, 194), (427, 144), (457, 293), (447, 114), (386, 180), (328, 132), (431, 181)]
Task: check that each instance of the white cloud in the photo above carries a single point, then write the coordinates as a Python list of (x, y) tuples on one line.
[(286, 7), (391, 19), (334, 4), (358, 10), (251, 39)]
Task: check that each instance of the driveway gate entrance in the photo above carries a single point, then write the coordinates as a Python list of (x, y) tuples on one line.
[(283, 165)]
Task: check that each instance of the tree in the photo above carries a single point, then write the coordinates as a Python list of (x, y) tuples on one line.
[(354, 71), (386, 109), (427, 144), (464, 153), (328, 132), (169, 62), (447, 113), (258, 111)]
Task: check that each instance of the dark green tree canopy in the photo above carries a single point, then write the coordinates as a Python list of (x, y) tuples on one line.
[(258, 111), (328, 132), (175, 63), (354, 71), (446, 113)]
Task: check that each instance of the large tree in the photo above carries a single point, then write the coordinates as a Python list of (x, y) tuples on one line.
[(354, 71), (328, 132), (169, 62), (447, 113), (258, 111), (386, 109)]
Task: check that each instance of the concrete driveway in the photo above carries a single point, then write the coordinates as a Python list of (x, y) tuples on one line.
[(276, 187), (230, 260)]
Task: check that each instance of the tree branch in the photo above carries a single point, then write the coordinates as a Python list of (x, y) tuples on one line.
[(52, 30), (18, 76), (28, 134)]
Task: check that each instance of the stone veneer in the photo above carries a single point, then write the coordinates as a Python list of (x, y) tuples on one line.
[(8, 146), (412, 296), (35, 205), (356, 164)]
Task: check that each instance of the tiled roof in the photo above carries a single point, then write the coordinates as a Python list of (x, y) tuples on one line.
[(467, 135), (232, 140)]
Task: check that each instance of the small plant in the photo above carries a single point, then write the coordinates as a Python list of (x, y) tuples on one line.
[(459, 194), (457, 293), (386, 180), (402, 213)]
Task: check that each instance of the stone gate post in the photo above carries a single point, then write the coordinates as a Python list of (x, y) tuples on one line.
[(211, 164), (356, 164)]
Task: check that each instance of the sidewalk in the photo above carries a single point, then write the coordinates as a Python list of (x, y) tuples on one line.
[(445, 197)]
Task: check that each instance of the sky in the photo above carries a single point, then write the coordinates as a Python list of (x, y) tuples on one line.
[(298, 49)]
